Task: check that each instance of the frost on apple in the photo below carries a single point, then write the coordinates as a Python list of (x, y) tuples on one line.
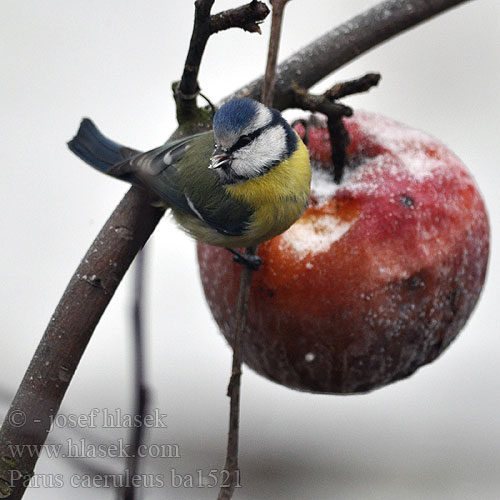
[(378, 276), (314, 234)]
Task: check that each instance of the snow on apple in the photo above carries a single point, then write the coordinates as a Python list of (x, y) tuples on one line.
[(378, 276)]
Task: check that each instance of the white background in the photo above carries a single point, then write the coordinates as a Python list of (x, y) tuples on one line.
[(435, 435)]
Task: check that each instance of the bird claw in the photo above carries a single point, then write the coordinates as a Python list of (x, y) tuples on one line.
[(253, 262)]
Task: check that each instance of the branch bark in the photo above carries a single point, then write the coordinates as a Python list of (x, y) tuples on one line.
[(345, 43), (130, 225), (247, 17), (141, 393), (343, 89), (68, 333), (334, 111), (234, 389), (272, 56)]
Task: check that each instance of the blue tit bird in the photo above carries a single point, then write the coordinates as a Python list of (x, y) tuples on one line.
[(238, 185)]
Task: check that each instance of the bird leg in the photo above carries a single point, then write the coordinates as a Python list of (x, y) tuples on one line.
[(253, 262)]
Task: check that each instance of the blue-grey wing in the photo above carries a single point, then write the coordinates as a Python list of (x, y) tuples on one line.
[(158, 170), (178, 173)]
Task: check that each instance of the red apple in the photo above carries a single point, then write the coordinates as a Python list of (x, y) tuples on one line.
[(378, 276)]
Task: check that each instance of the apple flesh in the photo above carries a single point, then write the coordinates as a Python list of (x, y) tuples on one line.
[(378, 276)]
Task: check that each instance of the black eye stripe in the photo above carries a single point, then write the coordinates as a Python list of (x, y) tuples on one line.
[(241, 142), (291, 137), (274, 121), (246, 139)]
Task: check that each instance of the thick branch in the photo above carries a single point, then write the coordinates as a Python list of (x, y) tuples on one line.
[(68, 333), (344, 43), (188, 87), (132, 222)]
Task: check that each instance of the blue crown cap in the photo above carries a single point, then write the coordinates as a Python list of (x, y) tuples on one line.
[(234, 115)]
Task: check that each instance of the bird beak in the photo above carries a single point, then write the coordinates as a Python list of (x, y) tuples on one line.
[(219, 159)]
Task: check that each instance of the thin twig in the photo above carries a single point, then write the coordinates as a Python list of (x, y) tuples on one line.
[(272, 55), (344, 43), (233, 389), (335, 112), (130, 225), (141, 391), (226, 491), (318, 103), (339, 138), (247, 17), (88, 293), (350, 87)]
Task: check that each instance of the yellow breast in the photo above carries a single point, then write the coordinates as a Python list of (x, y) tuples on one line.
[(278, 197), (292, 177)]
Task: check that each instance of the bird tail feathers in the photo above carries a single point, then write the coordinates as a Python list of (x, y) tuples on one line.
[(94, 148)]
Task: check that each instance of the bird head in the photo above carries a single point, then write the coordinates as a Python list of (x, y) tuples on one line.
[(250, 139)]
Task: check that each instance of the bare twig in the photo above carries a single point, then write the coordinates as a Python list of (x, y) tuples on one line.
[(345, 43), (272, 55), (70, 328), (129, 226), (335, 112), (233, 391), (317, 103), (247, 17), (343, 89), (141, 391), (339, 138)]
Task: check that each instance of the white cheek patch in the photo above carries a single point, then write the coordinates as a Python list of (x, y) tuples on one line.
[(265, 149)]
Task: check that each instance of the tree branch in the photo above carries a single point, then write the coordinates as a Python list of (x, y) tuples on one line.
[(343, 89), (247, 17), (141, 392), (233, 391), (272, 56), (188, 88), (68, 333), (344, 44), (335, 112), (130, 225)]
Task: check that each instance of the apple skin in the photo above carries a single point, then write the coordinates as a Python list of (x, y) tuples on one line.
[(378, 276)]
